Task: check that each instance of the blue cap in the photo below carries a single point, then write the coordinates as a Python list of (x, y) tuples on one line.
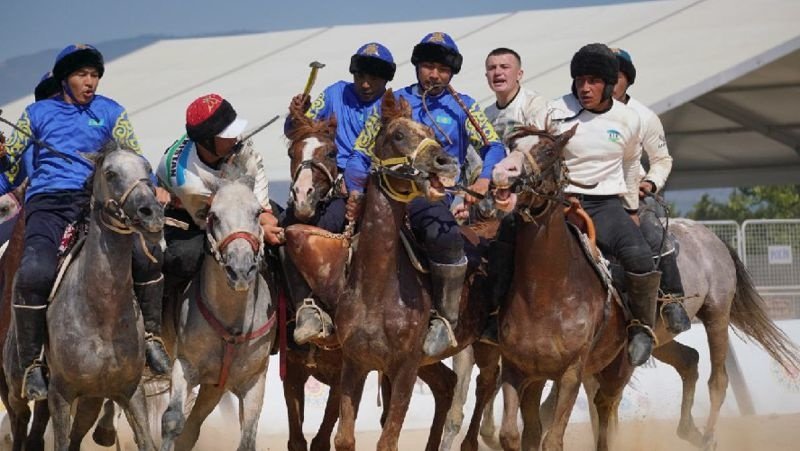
[(438, 47), (75, 56), (375, 59)]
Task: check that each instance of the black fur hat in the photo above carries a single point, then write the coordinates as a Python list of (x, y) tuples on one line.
[(438, 47), (598, 60), (47, 87), (75, 56), (374, 59), (626, 65)]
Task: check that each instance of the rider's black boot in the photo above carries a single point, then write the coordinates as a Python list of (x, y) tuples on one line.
[(30, 322), (500, 273), (673, 312), (447, 281), (149, 295), (642, 294)]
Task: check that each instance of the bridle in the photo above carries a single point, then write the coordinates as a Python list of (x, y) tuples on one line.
[(217, 248), (112, 213), (312, 164), (402, 168)]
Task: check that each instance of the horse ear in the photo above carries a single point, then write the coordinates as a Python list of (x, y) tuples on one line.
[(249, 181), (388, 106), (564, 137), (405, 108), (331, 123)]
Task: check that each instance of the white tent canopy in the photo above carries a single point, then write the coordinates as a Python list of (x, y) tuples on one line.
[(724, 76)]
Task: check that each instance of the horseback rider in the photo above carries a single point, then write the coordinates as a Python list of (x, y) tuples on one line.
[(436, 59), (212, 134), (654, 145), (77, 120), (372, 66), (15, 176), (605, 151), (514, 106)]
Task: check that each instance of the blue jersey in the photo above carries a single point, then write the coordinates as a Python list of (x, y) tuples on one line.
[(70, 129), (17, 174), (340, 99), (450, 118)]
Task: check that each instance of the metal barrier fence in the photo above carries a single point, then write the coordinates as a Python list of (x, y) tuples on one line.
[(770, 248)]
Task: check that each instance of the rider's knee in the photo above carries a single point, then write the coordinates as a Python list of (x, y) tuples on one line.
[(36, 273), (184, 257), (147, 262), (446, 248)]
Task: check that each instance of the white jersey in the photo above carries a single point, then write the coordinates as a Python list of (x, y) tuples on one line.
[(654, 144), (526, 108), (185, 176), (605, 149)]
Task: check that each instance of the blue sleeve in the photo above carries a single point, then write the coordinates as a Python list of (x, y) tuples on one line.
[(357, 171), (491, 155)]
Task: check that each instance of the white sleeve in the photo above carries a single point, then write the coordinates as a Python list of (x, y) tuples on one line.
[(655, 145), (536, 112), (261, 187), (631, 165)]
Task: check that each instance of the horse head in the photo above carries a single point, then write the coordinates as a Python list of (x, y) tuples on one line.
[(313, 163), (407, 156), (233, 230), (123, 192), (534, 168)]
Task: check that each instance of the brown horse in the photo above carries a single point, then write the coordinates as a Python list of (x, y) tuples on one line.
[(559, 321), (382, 317), (314, 173)]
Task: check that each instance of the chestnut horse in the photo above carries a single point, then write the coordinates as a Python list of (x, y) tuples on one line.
[(314, 180), (382, 317), (720, 295)]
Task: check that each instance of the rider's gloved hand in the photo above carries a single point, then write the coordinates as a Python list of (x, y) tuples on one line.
[(273, 234), (299, 104)]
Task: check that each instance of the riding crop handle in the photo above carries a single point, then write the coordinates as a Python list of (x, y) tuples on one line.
[(312, 77), (35, 140), (469, 114)]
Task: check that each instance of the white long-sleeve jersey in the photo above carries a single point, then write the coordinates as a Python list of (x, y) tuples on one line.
[(526, 108), (605, 149), (654, 144)]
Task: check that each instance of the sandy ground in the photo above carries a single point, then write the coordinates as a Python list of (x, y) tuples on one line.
[(774, 433)]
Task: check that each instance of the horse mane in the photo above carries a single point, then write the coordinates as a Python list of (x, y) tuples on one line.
[(305, 126), (523, 131)]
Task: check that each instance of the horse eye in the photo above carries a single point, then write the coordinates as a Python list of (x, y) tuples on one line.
[(398, 136), (332, 154), (111, 174)]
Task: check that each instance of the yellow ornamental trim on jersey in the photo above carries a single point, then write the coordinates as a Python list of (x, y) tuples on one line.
[(19, 140), (124, 135), (317, 106), (483, 121), (365, 142)]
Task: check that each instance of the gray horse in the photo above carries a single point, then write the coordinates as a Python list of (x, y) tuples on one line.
[(224, 323), (96, 345)]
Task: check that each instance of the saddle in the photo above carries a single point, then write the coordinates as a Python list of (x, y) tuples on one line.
[(71, 244)]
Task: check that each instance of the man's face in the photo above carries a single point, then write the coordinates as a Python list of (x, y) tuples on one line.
[(83, 84), (590, 91), (368, 87), (503, 73), (434, 74), (223, 146), (621, 88)]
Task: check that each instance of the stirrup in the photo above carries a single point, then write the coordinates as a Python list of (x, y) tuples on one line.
[(451, 336), (668, 299), (325, 320), (645, 327), (37, 363), (152, 337)]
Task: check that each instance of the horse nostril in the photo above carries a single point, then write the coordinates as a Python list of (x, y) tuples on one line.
[(442, 161), (231, 273), (310, 190), (253, 268), (145, 212)]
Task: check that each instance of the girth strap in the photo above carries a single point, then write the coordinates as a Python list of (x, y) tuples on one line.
[(231, 340)]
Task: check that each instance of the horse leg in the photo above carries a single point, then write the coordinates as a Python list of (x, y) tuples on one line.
[(568, 385), (20, 414), (173, 420), (135, 410), (717, 332), (352, 381), (386, 395), (512, 384), (684, 359), (462, 365), (607, 387), (591, 386), (531, 423), (41, 416), (442, 381), (85, 415), (60, 411), (294, 396), (487, 358), (322, 441), (249, 410), (207, 399), (105, 434), (402, 387)]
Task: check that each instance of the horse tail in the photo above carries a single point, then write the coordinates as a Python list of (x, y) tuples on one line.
[(749, 315)]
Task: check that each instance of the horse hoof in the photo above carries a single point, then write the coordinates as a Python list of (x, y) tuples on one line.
[(104, 437), (709, 443)]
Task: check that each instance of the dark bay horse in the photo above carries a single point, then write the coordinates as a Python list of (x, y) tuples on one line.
[(720, 294), (382, 317), (96, 346), (559, 322), (225, 322)]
